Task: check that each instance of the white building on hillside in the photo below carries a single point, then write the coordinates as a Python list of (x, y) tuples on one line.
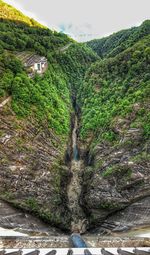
[(33, 63), (37, 64)]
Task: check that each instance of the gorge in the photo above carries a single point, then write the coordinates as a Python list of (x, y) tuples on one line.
[(74, 143), (78, 218)]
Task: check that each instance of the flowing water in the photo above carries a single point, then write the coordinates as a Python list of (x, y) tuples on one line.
[(78, 223)]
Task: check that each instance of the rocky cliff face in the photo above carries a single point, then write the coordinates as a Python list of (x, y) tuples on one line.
[(113, 111), (120, 179), (114, 133), (16, 220), (32, 173), (35, 128), (133, 216)]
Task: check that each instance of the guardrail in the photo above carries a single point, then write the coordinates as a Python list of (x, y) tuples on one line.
[(79, 251)]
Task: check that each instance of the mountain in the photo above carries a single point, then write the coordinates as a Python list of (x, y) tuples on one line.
[(116, 43), (35, 121), (115, 130), (10, 13), (85, 120)]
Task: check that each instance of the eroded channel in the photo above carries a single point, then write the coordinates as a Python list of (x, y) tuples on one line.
[(15, 222), (78, 219)]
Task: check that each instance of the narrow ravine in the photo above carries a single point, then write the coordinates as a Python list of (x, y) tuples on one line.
[(79, 221)]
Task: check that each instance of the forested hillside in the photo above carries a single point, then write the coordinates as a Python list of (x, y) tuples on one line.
[(35, 123), (115, 127), (49, 100), (114, 44), (104, 86), (10, 13), (112, 87)]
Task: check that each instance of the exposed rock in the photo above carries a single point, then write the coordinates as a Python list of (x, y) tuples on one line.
[(15, 219), (133, 216), (32, 173), (119, 176)]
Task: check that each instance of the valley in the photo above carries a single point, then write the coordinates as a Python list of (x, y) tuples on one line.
[(74, 141)]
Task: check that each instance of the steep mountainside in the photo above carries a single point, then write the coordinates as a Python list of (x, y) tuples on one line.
[(86, 119), (115, 131), (10, 13), (120, 41), (35, 121)]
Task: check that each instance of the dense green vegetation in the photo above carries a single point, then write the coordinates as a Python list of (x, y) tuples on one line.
[(118, 85), (117, 88), (111, 88), (48, 97), (75, 61), (111, 82), (112, 45), (10, 13), (40, 108), (19, 36)]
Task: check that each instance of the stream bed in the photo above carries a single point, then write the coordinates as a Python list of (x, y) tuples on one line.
[(16, 223), (78, 219), (24, 227)]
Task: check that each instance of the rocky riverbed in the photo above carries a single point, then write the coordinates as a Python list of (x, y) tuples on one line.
[(104, 190)]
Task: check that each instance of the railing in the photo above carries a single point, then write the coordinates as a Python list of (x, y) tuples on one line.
[(78, 251)]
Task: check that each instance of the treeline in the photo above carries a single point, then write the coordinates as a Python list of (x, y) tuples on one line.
[(20, 36), (45, 98), (10, 13), (116, 43), (117, 88)]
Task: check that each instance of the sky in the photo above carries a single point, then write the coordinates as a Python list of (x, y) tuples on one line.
[(86, 19)]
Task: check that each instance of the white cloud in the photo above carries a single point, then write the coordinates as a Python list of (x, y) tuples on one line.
[(86, 18)]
